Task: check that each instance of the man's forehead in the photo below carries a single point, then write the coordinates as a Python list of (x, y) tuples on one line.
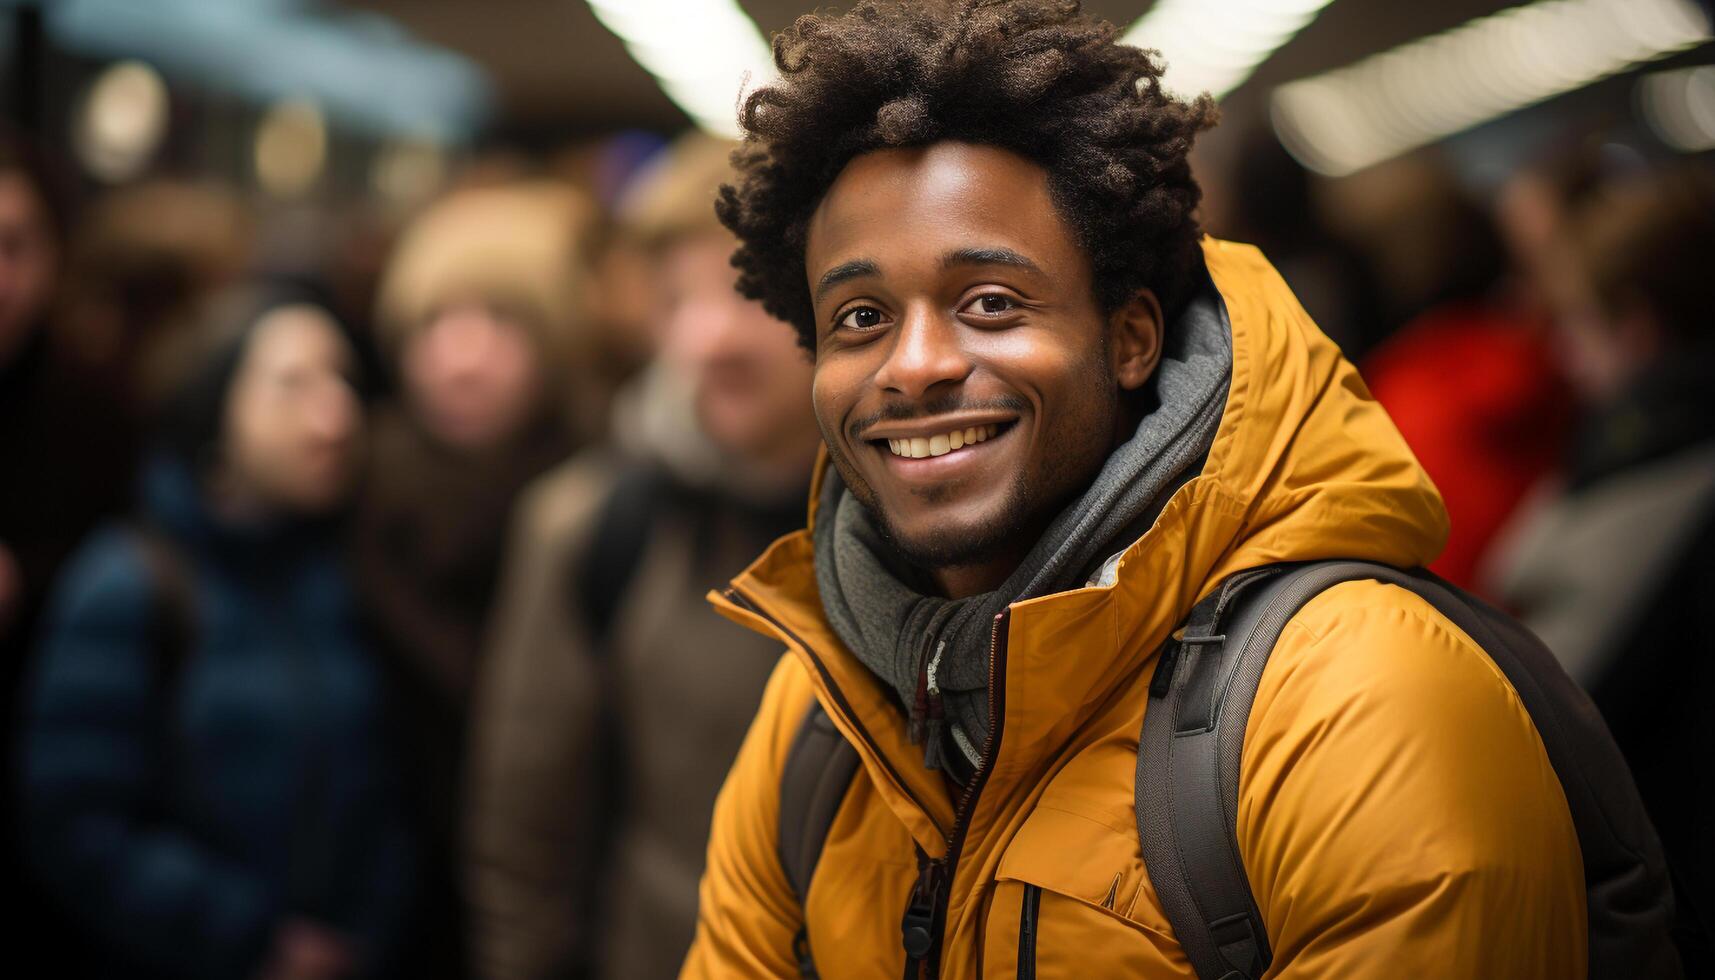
[(929, 196)]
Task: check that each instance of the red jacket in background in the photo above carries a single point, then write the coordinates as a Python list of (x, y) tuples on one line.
[(1476, 393)]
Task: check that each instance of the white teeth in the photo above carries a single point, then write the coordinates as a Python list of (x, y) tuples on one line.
[(940, 445)]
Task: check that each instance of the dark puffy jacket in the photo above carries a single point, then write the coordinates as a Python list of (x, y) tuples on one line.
[(183, 812)]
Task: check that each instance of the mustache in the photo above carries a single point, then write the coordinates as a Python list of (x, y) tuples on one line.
[(910, 412)]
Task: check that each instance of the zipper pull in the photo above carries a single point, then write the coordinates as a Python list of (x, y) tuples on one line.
[(933, 685), (928, 710), (917, 929)]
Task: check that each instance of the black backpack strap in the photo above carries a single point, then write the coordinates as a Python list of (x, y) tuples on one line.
[(819, 768), (1187, 781), (598, 580), (622, 530), (1193, 734)]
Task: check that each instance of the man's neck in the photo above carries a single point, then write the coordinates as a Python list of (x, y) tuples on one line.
[(964, 581)]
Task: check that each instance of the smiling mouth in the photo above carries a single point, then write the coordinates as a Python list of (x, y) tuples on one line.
[(941, 444)]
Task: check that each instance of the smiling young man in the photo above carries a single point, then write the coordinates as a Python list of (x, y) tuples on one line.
[(1055, 418)]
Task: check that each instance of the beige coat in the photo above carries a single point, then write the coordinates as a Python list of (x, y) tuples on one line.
[(559, 870)]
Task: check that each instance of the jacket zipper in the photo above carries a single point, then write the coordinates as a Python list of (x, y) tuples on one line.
[(1029, 911), (935, 877), (925, 917)]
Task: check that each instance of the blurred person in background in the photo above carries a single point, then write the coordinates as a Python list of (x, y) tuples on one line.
[(31, 542), (80, 308), (613, 698), (1613, 564), (482, 314), (65, 464), (1470, 379), (144, 259), (207, 785), (54, 423)]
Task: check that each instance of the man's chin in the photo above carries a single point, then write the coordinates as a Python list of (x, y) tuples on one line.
[(943, 533), (952, 545)]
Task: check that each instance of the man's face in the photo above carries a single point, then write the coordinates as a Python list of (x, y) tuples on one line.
[(474, 375), (751, 379), (966, 380)]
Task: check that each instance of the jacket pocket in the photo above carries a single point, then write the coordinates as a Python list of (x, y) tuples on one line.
[(1071, 900), (1028, 912)]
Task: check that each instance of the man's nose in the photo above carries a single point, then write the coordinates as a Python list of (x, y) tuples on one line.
[(926, 352)]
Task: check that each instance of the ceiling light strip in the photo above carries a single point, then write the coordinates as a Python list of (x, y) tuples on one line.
[(1680, 107), (1214, 45), (700, 51), (1387, 104)]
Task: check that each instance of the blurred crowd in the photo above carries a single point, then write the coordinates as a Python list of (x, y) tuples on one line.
[(352, 569)]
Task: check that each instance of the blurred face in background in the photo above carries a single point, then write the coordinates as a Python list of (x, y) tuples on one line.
[(1601, 351), (293, 421), (751, 379), (473, 375), (28, 258)]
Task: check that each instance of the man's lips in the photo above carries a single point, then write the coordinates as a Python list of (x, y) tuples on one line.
[(931, 426), (935, 450)]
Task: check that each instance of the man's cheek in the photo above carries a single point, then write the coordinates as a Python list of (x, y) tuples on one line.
[(829, 410)]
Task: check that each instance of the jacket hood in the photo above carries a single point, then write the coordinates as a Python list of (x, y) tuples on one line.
[(1304, 465)]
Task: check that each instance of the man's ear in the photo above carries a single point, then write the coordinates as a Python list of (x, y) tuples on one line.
[(1134, 339)]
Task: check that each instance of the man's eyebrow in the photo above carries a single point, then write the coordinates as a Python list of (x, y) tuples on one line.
[(844, 271), (989, 256)]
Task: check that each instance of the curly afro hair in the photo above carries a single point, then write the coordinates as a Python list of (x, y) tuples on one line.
[(1036, 77)]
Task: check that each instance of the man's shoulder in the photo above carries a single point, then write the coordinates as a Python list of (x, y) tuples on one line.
[(1383, 645), (1375, 707), (1392, 776)]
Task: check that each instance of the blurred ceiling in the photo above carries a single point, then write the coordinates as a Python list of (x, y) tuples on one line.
[(554, 66)]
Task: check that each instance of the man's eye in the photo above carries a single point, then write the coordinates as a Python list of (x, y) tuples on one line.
[(992, 303), (861, 318)]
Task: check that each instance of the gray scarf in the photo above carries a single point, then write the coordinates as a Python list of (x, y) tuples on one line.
[(904, 635)]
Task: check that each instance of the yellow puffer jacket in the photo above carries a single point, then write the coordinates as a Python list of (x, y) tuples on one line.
[(1398, 816)]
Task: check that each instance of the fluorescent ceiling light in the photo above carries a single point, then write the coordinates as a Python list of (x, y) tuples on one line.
[(1214, 45), (1415, 94), (700, 51), (1680, 107)]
